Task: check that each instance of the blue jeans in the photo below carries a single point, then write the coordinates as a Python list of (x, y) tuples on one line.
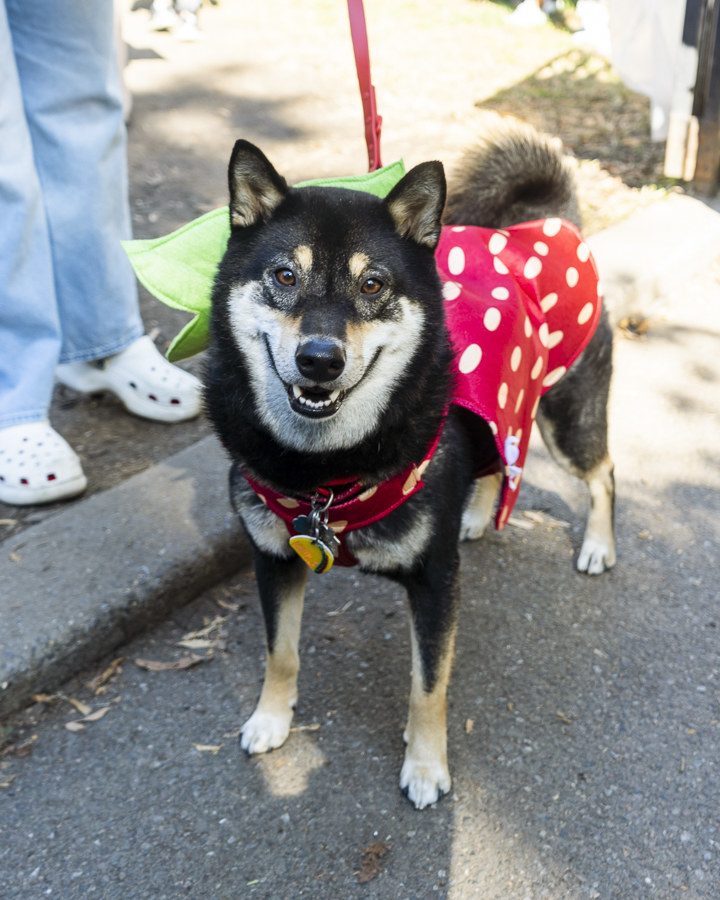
[(67, 290)]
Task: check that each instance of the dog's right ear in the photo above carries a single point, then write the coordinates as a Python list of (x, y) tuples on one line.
[(256, 189)]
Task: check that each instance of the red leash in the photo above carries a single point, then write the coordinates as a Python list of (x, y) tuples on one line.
[(373, 121)]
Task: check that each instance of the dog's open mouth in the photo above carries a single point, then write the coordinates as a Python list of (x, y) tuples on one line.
[(315, 402)]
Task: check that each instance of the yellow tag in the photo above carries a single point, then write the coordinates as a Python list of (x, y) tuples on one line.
[(313, 553)]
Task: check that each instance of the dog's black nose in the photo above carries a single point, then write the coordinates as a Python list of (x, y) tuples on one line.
[(320, 360)]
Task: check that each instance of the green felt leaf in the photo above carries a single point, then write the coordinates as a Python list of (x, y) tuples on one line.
[(179, 268)]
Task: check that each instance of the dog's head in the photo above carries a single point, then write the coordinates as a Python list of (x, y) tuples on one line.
[(327, 295)]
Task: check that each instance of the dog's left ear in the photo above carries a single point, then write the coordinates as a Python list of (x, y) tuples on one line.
[(416, 203), (256, 189)]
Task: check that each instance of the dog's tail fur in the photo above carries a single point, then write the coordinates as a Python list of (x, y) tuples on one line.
[(513, 174)]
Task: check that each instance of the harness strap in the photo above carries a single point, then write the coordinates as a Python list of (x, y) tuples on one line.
[(373, 121)]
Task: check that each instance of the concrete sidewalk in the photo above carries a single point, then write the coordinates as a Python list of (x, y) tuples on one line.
[(84, 581)]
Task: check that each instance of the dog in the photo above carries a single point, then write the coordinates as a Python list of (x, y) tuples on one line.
[(332, 380)]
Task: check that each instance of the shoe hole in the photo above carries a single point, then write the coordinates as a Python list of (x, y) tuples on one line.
[(175, 401), (24, 481), (51, 477), (152, 397), (133, 385)]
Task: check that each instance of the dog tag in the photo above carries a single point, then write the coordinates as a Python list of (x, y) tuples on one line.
[(303, 525), (313, 552)]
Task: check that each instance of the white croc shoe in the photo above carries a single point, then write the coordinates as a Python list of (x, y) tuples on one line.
[(37, 465), (144, 381)]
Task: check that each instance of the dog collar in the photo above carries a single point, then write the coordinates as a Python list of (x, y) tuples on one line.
[(354, 505)]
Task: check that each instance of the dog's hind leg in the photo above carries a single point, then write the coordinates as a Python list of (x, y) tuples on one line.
[(282, 589), (425, 776), (573, 422), (479, 507)]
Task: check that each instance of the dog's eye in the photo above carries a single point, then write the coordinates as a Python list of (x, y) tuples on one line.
[(372, 286), (285, 277)]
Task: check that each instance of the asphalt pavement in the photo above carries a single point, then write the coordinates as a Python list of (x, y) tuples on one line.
[(584, 713)]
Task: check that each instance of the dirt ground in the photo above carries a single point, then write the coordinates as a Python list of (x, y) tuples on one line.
[(281, 74)]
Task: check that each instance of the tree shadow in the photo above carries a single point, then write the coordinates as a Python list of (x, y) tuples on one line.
[(579, 97)]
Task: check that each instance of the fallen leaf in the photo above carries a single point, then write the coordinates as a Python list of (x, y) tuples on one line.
[(14, 557), (469, 725), (232, 607), (97, 715), (563, 718), (209, 748), (8, 781), (520, 523), (202, 644), (44, 698), (18, 749), (8, 521), (370, 864), (176, 665), (81, 707), (79, 724), (113, 669), (207, 630)]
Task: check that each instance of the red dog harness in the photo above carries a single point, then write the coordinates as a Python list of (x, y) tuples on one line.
[(521, 305)]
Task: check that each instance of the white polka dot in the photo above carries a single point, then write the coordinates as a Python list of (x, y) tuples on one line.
[(262, 497), (535, 408), (470, 359), (521, 397), (537, 368), (572, 276), (500, 266), (551, 227), (548, 301), (585, 313), (458, 228), (543, 334), (451, 290), (493, 427), (599, 289), (519, 435), (456, 260), (370, 492), (516, 359), (583, 252), (503, 395), (339, 526), (288, 503), (554, 376), (533, 267), (554, 339), (497, 243), (541, 248), (500, 293), (492, 319), (528, 327)]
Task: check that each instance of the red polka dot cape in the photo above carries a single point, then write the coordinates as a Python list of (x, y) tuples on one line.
[(521, 305)]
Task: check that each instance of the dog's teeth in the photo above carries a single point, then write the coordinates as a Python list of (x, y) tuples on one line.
[(333, 396), (297, 391)]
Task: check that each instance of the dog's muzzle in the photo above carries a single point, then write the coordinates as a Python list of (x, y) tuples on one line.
[(320, 361)]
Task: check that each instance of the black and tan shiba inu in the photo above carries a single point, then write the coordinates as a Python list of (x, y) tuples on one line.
[(332, 381)]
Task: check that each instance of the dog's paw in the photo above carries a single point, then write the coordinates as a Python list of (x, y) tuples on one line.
[(424, 783), (473, 526), (595, 557), (265, 731)]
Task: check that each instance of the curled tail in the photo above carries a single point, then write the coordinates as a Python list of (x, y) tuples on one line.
[(513, 174)]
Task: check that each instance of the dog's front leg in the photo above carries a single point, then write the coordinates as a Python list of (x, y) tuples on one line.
[(434, 605), (281, 584)]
